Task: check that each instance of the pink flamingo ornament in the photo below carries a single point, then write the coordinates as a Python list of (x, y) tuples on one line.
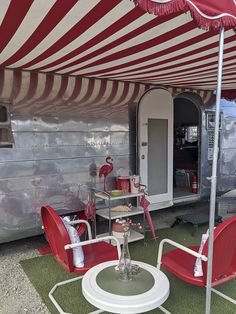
[(106, 169)]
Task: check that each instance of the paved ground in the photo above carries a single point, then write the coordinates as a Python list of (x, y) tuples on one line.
[(18, 296)]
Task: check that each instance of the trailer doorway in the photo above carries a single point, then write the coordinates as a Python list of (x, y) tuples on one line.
[(186, 150), (155, 146)]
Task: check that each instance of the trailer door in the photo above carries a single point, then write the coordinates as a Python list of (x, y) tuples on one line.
[(155, 141)]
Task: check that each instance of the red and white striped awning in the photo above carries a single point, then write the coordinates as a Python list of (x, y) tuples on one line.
[(84, 96), (114, 39)]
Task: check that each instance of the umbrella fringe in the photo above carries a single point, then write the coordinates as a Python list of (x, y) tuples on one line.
[(175, 6)]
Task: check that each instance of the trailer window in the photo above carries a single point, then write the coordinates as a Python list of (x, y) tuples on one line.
[(6, 138)]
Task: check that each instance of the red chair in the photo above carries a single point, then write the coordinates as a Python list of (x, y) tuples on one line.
[(181, 261), (95, 251)]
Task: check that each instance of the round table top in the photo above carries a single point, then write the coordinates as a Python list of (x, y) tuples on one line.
[(132, 302)]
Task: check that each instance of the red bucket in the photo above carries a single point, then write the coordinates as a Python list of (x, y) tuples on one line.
[(123, 183)]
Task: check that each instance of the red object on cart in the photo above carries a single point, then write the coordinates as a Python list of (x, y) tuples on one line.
[(123, 182)]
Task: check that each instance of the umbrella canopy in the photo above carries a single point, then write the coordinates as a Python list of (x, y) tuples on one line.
[(208, 14), (119, 40)]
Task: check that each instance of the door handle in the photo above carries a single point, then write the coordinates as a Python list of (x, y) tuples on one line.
[(144, 143), (142, 156)]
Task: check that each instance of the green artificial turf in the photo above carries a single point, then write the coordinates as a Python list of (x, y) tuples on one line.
[(184, 298)]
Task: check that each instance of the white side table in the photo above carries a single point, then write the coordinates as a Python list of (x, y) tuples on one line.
[(148, 290)]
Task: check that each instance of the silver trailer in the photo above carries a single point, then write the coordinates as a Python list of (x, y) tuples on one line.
[(56, 131)]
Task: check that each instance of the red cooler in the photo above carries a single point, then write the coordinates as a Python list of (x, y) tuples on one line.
[(123, 183)]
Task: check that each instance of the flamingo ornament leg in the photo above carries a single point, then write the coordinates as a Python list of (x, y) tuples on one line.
[(106, 169)]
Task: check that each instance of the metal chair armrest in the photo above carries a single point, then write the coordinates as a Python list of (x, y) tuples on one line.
[(90, 241), (74, 222), (179, 246)]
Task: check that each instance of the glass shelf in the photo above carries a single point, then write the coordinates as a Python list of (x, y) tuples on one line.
[(104, 212), (107, 196), (134, 236)]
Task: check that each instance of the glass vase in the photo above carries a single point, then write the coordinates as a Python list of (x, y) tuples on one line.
[(125, 267)]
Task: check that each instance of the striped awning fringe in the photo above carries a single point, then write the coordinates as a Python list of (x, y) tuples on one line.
[(114, 40), (23, 88)]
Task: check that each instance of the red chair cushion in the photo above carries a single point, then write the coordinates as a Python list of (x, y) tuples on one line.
[(96, 253), (181, 264)]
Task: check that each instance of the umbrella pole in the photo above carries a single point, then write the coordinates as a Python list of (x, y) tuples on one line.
[(214, 175)]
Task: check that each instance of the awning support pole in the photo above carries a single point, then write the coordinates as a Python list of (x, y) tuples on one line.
[(214, 174)]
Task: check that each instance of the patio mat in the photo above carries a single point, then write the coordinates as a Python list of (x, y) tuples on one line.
[(184, 298)]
